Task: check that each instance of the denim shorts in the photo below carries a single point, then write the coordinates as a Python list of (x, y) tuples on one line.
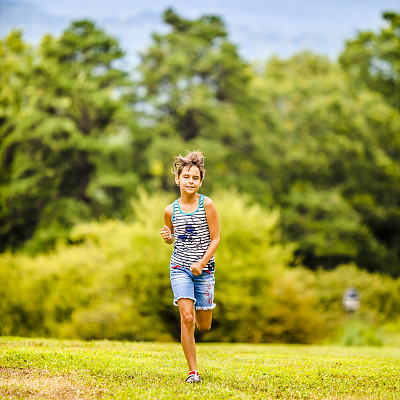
[(199, 288)]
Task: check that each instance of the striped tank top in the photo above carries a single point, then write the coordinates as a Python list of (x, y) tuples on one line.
[(192, 236)]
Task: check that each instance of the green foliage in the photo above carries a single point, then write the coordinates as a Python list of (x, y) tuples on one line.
[(16, 59), (99, 287), (327, 227), (333, 155), (79, 136), (111, 280), (373, 59), (258, 299), (357, 333), (195, 87), (64, 147), (379, 294)]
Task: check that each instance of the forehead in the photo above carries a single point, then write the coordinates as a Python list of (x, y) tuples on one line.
[(191, 169)]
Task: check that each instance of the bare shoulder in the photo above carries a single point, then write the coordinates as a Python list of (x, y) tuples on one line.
[(169, 210), (208, 203)]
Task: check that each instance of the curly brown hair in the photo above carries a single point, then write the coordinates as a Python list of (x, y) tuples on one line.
[(192, 158)]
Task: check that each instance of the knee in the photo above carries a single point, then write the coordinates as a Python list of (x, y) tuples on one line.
[(187, 320)]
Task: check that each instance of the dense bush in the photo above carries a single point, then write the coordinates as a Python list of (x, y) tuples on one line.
[(111, 280)]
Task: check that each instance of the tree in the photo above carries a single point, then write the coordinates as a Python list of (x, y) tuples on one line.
[(65, 148), (373, 59), (16, 64), (331, 157), (194, 89)]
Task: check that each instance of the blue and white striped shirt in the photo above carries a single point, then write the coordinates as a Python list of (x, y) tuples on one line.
[(192, 236)]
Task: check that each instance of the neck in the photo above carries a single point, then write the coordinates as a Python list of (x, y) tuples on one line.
[(190, 198)]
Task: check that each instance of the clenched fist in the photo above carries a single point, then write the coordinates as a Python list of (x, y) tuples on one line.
[(166, 234)]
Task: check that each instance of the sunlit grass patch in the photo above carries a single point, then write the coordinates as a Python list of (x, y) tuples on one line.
[(37, 383)]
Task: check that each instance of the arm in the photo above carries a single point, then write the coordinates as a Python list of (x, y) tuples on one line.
[(213, 226), (167, 230)]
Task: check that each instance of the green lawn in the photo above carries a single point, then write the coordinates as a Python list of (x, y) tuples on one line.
[(53, 369)]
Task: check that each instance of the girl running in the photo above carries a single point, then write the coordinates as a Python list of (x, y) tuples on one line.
[(191, 224)]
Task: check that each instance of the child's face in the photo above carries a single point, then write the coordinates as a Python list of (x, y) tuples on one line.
[(189, 180)]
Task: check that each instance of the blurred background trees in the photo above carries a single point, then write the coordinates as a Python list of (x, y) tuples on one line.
[(335, 164), (372, 59), (64, 135), (113, 283), (195, 93), (82, 138)]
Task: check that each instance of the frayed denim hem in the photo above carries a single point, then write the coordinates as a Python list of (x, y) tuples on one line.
[(183, 297), (205, 308)]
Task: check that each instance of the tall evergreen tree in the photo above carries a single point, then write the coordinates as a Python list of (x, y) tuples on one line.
[(373, 59), (331, 158), (65, 143), (196, 90)]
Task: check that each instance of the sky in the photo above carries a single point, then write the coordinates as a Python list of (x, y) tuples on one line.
[(260, 28)]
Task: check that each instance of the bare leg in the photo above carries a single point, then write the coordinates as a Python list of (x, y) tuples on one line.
[(203, 320), (187, 331)]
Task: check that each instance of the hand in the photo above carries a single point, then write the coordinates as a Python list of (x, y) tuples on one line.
[(166, 233), (196, 268)]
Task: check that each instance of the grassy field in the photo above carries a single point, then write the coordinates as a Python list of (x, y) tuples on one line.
[(52, 369)]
